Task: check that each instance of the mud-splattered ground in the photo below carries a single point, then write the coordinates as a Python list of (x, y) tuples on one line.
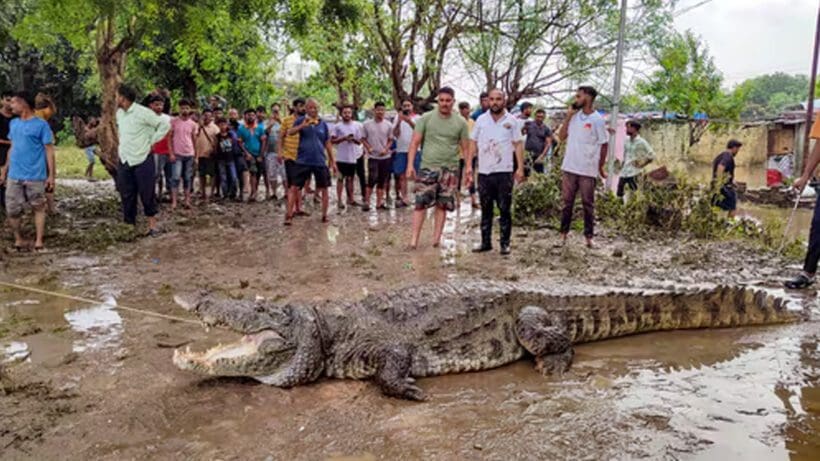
[(91, 381)]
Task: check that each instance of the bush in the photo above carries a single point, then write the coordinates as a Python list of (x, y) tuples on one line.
[(538, 200)]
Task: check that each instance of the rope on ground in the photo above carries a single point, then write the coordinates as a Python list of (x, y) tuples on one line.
[(94, 301)]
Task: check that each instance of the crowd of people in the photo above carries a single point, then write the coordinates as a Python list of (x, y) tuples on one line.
[(444, 151)]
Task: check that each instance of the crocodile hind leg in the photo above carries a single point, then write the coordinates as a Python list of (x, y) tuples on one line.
[(393, 364), (545, 338)]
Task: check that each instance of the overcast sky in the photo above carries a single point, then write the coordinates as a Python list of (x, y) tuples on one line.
[(753, 37)]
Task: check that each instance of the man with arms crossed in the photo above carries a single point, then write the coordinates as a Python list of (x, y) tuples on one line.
[(346, 136), (439, 133)]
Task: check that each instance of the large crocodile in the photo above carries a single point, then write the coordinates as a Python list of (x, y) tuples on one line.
[(437, 329)]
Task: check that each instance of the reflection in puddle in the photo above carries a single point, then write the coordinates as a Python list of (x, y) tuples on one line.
[(100, 326), (332, 234), (15, 351)]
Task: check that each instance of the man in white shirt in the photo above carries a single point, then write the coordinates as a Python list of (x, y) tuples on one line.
[(587, 139), (497, 139), (403, 133), (347, 137)]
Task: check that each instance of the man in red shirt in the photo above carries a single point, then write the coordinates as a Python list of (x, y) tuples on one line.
[(163, 157)]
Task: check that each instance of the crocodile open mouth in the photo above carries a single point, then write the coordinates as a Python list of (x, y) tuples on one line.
[(257, 354)]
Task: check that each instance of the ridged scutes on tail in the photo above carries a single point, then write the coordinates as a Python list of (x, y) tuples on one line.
[(620, 314)]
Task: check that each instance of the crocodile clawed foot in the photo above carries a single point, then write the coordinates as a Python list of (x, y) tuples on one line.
[(404, 389), (554, 364)]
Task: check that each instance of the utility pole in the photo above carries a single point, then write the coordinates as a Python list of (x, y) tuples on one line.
[(616, 94), (812, 83)]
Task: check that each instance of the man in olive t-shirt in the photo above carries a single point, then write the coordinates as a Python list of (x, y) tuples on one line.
[(439, 133)]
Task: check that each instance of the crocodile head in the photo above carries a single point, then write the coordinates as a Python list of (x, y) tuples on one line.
[(268, 349), (257, 355)]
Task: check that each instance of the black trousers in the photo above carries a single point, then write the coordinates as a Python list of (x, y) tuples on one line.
[(495, 189), (813, 254), (137, 181), (360, 173), (623, 183)]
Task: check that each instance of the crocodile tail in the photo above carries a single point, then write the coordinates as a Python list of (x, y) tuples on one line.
[(621, 314)]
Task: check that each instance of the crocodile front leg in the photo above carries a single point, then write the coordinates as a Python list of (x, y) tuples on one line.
[(393, 364), (544, 337)]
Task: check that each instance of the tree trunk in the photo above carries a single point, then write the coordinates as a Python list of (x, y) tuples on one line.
[(189, 87), (111, 66)]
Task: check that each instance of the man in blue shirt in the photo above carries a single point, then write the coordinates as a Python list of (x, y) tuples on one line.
[(253, 142), (314, 142), (484, 101), (29, 170)]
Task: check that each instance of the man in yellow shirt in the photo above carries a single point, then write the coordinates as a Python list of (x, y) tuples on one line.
[(289, 146), (806, 278)]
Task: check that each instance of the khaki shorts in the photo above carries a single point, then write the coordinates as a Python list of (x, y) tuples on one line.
[(22, 193)]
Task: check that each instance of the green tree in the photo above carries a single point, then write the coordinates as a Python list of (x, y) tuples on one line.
[(410, 40), (688, 83), (767, 95), (336, 43), (111, 30), (58, 70), (535, 48)]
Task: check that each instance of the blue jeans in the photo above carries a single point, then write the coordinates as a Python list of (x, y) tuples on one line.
[(164, 168), (228, 178), (184, 169), (89, 154)]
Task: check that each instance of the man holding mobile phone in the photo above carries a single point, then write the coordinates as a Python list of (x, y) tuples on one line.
[(346, 136), (403, 133), (587, 139)]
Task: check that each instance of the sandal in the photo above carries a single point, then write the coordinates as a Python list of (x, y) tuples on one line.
[(800, 282), (325, 219), (288, 220)]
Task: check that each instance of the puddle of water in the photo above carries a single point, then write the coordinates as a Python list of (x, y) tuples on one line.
[(755, 178), (99, 326), (15, 351), (91, 327)]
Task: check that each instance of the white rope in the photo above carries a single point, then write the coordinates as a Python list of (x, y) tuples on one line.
[(95, 302)]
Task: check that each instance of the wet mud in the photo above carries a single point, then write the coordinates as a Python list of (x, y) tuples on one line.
[(81, 381)]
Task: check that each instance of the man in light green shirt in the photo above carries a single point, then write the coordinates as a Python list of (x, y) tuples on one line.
[(139, 128), (440, 134), (637, 154)]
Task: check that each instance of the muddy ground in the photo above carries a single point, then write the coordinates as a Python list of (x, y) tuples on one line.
[(92, 381)]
